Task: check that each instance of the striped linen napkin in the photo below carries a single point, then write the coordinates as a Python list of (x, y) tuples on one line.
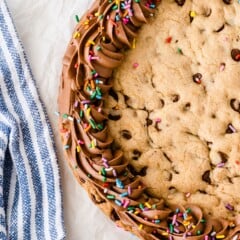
[(30, 195)]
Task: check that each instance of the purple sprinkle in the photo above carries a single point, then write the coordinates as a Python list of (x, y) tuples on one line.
[(220, 164), (229, 207)]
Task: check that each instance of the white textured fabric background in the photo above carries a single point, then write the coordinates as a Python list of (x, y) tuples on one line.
[(45, 27)]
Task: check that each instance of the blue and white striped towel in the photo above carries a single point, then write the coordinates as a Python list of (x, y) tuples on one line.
[(30, 195)]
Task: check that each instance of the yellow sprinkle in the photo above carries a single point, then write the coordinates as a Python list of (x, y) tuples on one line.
[(140, 227), (134, 43), (76, 35), (164, 233), (136, 212), (91, 42), (148, 205), (117, 2), (88, 112), (220, 236), (104, 39), (186, 223), (96, 14), (93, 144), (156, 217), (78, 149), (193, 226), (86, 22), (193, 14)]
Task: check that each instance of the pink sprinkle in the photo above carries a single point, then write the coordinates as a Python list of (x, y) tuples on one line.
[(105, 165), (174, 219), (104, 159), (80, 142), (220, 164), (95, 58), (96, 75), (206, 237), (135, 65), (232, 128), (158, 120), (114, 173), (125, 205), (76, 104), (129, 190), (188, 194), (176, 230), (222, 67), (99, 109)]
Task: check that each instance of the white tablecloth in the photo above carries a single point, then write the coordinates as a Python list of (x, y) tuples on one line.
[(45, 27)]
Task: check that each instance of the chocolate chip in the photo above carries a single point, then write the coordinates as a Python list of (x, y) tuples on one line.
[(114, 216), (235, 104), (223, 156), (187, 106), (82, 180), (149, 122), (175, 98), (235, 53), (206, 177), (113, 94), (202, 191), (162, 103), (227, 1), (220, 29), (208, 12), (180, 2), (142, 172), (126, 134), (114, 117), (136, 154), (230, 129), (197, 78), (167, 157)]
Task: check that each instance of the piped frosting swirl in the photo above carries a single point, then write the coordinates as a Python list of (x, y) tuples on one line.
[(96, 49)]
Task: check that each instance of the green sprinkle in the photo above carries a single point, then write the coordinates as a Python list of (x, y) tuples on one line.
[(110, 197), (171, 228), (94, 72), (77, 18), (179, 50), (157, 221), (114, 7), (104, 179), (202, 220), (154, 206), (88, 89), (109, 1), (81, 113), (92, 123), (98, 48), (65, 115), (101, 16), (130, 208), (76, 167), (188, 210), (141, 206), (199, 232), (93, 95), (125, 174), (137, 1), (98, 91), (100, 126), (103, 171), (89, 175)]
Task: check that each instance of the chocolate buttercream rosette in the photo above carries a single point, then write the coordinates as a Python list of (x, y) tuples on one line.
[(95, 50)]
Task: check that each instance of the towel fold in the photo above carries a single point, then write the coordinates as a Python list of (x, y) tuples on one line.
[(30, 194)]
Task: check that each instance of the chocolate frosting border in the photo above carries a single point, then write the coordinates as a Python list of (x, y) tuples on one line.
[(96, 49)]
